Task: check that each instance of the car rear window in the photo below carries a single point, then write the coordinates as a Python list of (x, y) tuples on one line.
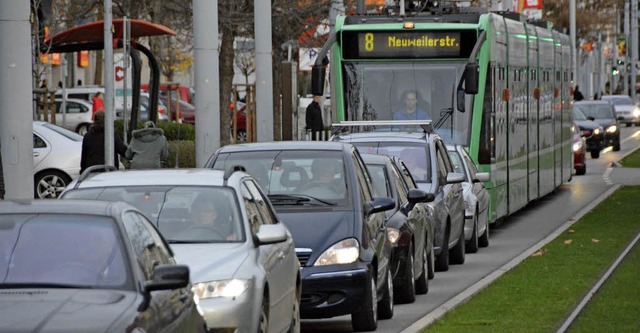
[(414, 155)]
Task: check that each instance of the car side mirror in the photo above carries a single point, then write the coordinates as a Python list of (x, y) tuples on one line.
[(380, 204), (454, 178), (417, 195), (483, 177), (271, 234), (166, 277), (591, 118)]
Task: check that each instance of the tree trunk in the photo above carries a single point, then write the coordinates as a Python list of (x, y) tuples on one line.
[(226, 81)]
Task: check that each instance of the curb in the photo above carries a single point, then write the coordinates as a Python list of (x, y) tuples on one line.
[(465, 295)]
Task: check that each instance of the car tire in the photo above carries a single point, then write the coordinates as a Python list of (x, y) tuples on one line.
[(406, 291), (472, 243), (49, 184), (431, 263), (442, 261), (83, 129), (241, 137), (294, 327), (582, 170), (263, 320), (385, 306), (483, 240), (422, 283), (457, 253), (595, 154), (366, 319), (616, 147)]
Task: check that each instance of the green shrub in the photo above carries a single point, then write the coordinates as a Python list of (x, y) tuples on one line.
[(172, 131), (186, 152)]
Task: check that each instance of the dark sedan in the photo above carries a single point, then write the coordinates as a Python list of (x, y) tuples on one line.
[(89, 266), (591, 131), (602, 112), (323, 193), (410, 227)]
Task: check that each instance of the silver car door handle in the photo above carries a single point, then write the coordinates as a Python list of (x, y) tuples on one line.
[(36, 154), (281, 255), (183, 296)]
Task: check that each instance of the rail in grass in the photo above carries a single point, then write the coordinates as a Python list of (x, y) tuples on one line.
[(494, 82)]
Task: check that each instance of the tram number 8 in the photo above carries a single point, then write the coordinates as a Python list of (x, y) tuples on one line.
[(368, 42)]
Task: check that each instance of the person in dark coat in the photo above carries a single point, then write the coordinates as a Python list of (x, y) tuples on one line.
[(577, 94), (314, 118), (148, 148), (93, 145)]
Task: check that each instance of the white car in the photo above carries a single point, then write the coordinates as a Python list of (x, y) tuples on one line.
[(627, 111), (78, 117), (243, 264), (56, 159), (476, 199)]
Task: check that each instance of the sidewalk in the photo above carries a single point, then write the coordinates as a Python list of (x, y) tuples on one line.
[(625, 176)]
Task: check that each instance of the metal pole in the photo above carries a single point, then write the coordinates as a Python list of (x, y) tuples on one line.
[(125, 65), (63, 105), (627, 70), (16, 123), (574, 49), (264, 70), (633, 46), (107, 69), (207, 77)]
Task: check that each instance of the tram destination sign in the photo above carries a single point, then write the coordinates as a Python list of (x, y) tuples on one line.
[(407, 44)]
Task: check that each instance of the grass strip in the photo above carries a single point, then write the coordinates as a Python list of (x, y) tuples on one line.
[(632, 160), (538, 294), (614, 308)]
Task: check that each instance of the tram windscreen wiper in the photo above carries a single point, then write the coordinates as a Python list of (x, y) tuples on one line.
[(297, 199)]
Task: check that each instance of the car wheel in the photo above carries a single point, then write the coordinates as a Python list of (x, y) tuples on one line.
[(263, 321), (582, 170), (595, 153), (442, 261), (294, 327), (616, 147), (483, 240), (385, 306), (422, 284), (83, 129), (472, 244), (406, 291), (367, 318), (49, 184), (457, 253), (241, 137)]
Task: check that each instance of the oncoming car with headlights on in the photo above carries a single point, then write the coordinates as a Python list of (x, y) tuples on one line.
[(245, 273)]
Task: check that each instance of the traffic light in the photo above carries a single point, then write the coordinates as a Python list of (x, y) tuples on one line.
[(614, 71)]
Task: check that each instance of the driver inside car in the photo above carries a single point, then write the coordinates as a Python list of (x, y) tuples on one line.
[(212, 214), (326, 181)]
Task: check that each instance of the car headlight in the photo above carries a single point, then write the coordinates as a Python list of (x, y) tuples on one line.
[(596, 131), (343, 252), (222, 288), (612, 129), (393, 235), (577, 145), (636, 112)]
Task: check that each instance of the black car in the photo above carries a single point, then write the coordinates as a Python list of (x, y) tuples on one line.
[(322, 191), (425, 154), (603, 113), (89, 266), (591, 131), (410, 227)]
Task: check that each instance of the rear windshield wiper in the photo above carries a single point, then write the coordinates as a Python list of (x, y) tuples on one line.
[(297, 199)]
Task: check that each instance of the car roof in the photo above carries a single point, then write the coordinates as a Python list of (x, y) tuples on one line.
[(77, 100), (89, 207), (188, 177), (591, 102), (285, 145)]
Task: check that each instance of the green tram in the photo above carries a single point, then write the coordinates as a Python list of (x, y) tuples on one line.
[(492, 82)]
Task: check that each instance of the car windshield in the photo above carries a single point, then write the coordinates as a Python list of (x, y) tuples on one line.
[(578, 115), (597, 111), (414, 156), (619, 100), (295, 177), (64, 132), (183, 214), (62, 250)]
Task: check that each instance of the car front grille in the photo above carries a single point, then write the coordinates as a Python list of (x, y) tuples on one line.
[(303, 256)]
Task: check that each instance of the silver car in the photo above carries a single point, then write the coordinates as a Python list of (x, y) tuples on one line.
[(627, 111), (244, 269), (56, 159), (476, 199)]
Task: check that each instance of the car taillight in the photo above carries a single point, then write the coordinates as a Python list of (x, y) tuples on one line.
[(586, 134)]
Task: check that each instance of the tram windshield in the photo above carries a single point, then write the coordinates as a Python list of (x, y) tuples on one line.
[(408, 91)]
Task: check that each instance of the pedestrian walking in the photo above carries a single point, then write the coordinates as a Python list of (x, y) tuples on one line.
[(98, 104), (313, 118), (577, 94), (93, 145), (148, 148)]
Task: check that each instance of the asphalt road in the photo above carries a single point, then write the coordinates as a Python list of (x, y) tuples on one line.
[(516, 235)]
